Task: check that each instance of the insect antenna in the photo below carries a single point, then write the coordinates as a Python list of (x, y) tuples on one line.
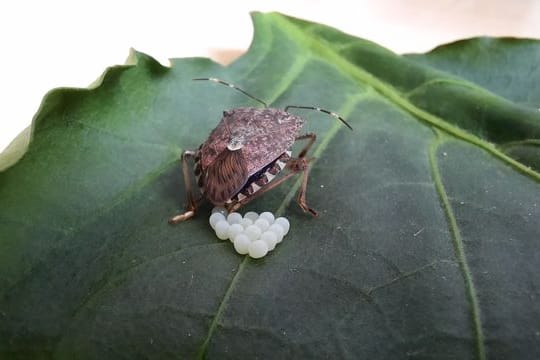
[(321, 110), (233, 87)]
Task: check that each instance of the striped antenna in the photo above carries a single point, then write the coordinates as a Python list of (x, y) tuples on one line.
[(321, 110), (219, 81)]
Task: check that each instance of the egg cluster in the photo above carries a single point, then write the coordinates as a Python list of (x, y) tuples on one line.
[(252, 233)]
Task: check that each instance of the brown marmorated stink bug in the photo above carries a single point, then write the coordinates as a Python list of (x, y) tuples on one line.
[(244, 153)]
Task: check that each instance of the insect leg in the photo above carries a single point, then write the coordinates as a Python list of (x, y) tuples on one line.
[(312, 137), (301, 164), (238, 204), (191, 206), (302, 193), (297, 165)]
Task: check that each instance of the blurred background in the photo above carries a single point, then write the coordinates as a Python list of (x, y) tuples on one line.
[(48, 44)]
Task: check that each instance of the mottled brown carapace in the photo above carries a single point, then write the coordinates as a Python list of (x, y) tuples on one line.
[(244, 154), (264, 134)]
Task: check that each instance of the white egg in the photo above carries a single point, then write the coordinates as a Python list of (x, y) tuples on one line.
[(262, 224), (268, 216), (214, 218), (234, 230), (253, 232), (234, 218), (258, 249), (270, 238), (251, 215), (220, 210), (284, 223), (246, 222), (278, 230), (222, 229), (241, 244)]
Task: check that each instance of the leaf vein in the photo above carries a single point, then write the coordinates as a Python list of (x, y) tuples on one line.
[(387, 91), (458, 247), (120, 275), (406, 275), (346, 109)]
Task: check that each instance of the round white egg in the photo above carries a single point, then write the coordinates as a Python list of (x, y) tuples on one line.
[(270, 238), (284, 223), (222, 229), (262, 224), (234, 230), (253, 232), (251, 215), (246, 222), (234, 218), (258, 249), (214, 218), (268, 216), (220, 210), (241, 244), (278, 230)]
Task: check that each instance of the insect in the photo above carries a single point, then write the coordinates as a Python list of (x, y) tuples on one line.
[(243, 155)]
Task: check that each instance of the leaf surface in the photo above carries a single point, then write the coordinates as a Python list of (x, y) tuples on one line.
[(426, 247)]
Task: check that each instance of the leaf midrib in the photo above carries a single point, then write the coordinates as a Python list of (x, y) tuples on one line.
[(428, 118), (434, 122), (438, 125), (327, 52), (345, 110)]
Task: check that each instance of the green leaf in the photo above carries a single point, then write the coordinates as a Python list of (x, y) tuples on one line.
[(475, 60), (426, 247)]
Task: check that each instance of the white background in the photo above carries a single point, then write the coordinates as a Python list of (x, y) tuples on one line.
[(48, 44)]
